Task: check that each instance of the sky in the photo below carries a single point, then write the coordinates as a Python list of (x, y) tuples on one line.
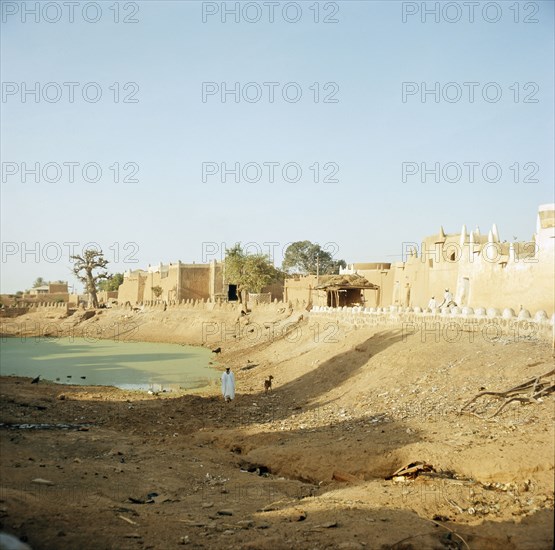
[(353, 124)]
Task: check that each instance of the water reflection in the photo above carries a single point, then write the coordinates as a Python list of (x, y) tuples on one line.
[(126, 365)]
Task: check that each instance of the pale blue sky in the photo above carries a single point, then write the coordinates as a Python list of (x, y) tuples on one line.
[(170, 132)]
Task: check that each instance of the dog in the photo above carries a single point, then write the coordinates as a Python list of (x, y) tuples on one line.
[(268, 384)]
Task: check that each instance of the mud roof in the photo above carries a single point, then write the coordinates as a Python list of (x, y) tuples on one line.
[(344, 281)]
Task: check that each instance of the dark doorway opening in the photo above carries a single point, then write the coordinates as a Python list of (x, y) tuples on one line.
[(232, 293), (344, 297)]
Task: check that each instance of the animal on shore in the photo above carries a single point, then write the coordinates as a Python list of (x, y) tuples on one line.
[(268, 384), (217, 350), (35, 380)]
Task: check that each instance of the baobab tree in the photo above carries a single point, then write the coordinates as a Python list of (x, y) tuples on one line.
[(90, 261)]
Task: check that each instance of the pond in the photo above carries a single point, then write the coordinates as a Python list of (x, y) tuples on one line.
[(126, 365)]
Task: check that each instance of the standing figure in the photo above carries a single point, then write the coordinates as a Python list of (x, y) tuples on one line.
[(448, 299), (228, 385), (432, 304)]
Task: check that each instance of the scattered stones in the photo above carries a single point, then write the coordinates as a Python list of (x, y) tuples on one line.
[(192, 523), (328, 525), (296, 515), (245, 523), (41, 481)]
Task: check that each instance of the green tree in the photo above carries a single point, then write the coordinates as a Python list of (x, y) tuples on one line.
[(157, 290), (92, 260), (39, 281), (309, 258), (250, 272), (113, 282)]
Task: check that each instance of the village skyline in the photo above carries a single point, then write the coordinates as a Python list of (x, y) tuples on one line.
[(391, 136), (525, 252)]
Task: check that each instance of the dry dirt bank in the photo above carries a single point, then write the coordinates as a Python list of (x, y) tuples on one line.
[(350, 404)]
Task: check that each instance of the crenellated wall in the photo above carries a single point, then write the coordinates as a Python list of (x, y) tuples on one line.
[(479, 270)]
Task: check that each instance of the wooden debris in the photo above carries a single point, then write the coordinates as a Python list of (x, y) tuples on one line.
[(527, 392), (128, 520), (412, 470)]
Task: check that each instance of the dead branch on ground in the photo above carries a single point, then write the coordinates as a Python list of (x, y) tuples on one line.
[(527, 392)]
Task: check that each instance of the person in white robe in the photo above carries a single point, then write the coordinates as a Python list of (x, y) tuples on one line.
[(228, 385), (448, 299)]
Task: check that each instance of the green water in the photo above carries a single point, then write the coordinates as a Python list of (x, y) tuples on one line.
[(126, 365)]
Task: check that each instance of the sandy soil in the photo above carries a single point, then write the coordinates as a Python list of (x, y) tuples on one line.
[(304, 466)]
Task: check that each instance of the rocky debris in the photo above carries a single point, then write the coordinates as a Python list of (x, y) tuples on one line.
[(41, 481), (328, 525), (245, 523), (214, 481), (344, 477), (296, 515), (469, 497), (79, 427)]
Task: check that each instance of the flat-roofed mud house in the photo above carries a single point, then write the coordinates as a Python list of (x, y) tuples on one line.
[(175, 282)]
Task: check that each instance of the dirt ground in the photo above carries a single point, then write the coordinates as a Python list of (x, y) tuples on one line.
[(306, 466)]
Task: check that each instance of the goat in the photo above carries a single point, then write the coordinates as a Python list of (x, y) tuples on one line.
[(268, 383)]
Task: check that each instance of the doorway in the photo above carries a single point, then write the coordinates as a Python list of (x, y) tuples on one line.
[(232, 293)]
